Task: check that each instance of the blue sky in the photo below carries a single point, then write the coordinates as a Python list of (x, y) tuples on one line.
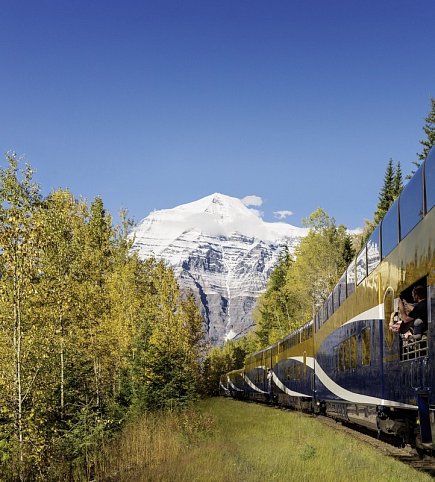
[(151, 104)]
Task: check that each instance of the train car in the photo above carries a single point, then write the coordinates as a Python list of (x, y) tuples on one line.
[(347, 362), (236, 383), (257, 379), (224, 390), (364, 372)]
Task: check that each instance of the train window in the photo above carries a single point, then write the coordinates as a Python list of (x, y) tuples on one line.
[(390, 230), (335, 359), (429, 174), (323, 313), (361, 266), (350, 279), (342, 286), (330, 306), (346, 354), (336, 296), (411, 203), (365, 346), (310, 330), (374, 250), (353, 351), (341, 357)]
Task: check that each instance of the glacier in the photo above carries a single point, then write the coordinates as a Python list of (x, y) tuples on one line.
[(221, 250)]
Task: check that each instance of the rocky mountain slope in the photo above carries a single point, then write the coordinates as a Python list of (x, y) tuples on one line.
[(220, 249)]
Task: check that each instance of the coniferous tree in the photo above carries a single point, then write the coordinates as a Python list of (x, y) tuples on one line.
[(397, 182), (429, 141), (386, 196)]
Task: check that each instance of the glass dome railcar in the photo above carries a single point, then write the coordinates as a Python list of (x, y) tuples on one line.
[(347, 362), (365, 373)]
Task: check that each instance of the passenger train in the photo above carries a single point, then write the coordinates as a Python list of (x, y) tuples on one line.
[(346, 362)]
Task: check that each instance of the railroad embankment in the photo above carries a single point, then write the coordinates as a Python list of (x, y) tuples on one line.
[(225, 440)]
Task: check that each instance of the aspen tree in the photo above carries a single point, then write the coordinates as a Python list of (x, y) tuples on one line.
[(19, 265)]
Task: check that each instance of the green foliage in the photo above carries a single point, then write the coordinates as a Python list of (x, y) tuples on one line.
[(297, 287), (390, 190), (429, 141), (88, 332), (223, 359)]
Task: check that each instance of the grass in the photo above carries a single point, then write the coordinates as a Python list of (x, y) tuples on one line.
[(224, 440)]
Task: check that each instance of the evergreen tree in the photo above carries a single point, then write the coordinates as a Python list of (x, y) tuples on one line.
[(429, 130), (386, 196), (429, 141), (397, 182)]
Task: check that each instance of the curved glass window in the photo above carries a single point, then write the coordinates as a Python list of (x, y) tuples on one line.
[(330, 306), (336, 296), (390, 230), (350, 279), (342, 285), (325, 311), (411, 203), (374, 250), (361, 266), (429, 173)]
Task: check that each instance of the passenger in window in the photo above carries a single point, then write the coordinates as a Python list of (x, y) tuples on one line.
[(395, 322), (415, 316)]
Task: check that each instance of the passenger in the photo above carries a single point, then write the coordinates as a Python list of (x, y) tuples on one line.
[(395, 322), (415, 317)]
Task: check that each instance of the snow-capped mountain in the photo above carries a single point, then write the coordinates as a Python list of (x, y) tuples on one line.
[(220, 249)]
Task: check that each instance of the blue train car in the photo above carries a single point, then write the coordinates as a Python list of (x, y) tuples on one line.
[(348, 362)]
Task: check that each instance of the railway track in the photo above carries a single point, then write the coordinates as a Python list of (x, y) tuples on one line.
[(407, 454)]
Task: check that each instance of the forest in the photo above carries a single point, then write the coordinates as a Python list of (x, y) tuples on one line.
[(89, 334)]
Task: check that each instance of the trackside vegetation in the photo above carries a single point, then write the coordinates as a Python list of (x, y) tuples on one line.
[(223, 440), (90, 335)]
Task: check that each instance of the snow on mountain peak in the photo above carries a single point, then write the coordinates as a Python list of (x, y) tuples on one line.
[(213, 215), (222, 251)]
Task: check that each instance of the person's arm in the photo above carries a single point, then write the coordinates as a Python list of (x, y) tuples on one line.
[(403, 313)]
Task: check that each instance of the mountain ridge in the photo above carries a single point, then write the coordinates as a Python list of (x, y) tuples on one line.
[(222, 251)]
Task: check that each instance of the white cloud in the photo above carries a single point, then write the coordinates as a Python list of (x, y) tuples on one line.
[(252, 200), (282, 214)]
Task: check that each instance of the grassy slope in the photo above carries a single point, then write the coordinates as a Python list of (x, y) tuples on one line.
[(233, 442)]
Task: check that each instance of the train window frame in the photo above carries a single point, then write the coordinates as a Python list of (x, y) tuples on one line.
[(410, 198), (336, 297), (390, 229), (374, 246), (361, 266)]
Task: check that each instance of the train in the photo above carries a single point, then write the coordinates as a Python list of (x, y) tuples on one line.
[(347, 362)]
